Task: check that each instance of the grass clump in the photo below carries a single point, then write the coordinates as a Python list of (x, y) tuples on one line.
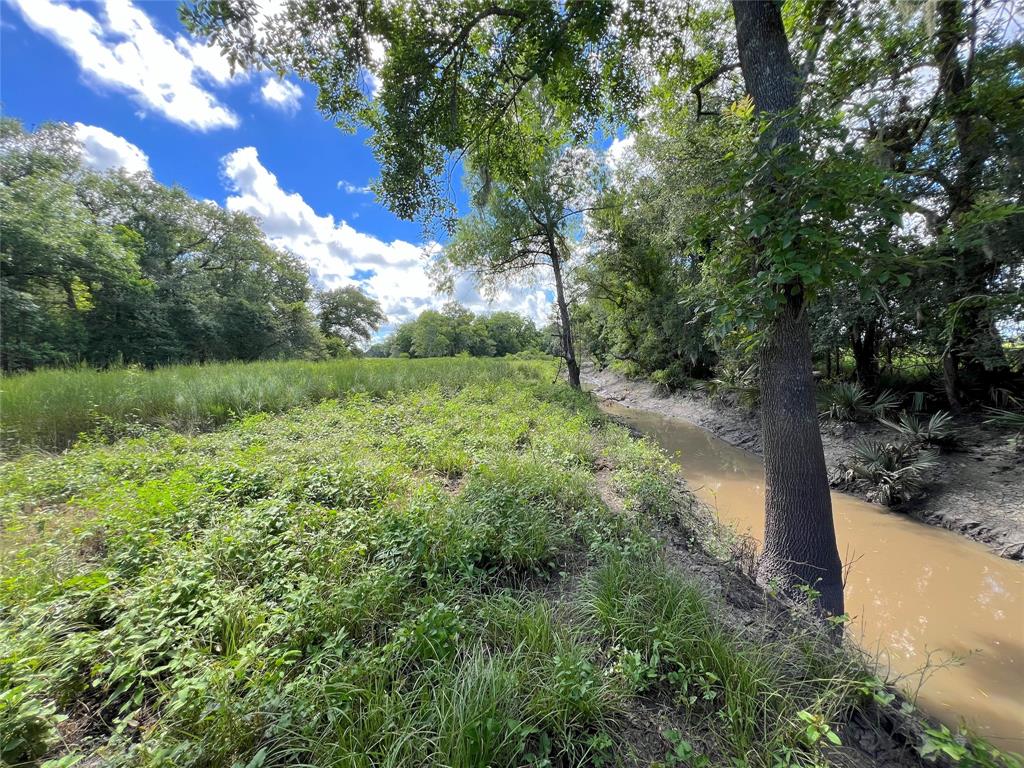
[(407, 575), (745, 697)]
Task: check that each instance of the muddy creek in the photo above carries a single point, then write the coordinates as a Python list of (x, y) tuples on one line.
[(917, 594)]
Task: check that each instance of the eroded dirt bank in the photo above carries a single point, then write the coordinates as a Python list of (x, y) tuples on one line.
[(977, 491)]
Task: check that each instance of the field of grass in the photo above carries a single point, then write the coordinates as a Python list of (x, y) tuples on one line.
[(422, 576), (49, 409)]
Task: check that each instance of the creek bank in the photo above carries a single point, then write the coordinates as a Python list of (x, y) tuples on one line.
[(977, 491), (696, 545)]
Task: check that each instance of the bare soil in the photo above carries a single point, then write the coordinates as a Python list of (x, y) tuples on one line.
[(977, 490)]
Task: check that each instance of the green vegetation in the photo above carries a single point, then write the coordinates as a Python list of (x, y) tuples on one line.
[(892, 472), (456, 330), (421, 571), (850, 401), (111, 268), (49, 409)]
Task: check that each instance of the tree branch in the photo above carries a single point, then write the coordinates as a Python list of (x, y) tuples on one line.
[(817, 36), (699, 87)]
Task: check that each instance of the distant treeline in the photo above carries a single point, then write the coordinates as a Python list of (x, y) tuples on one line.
[(109, 267), (456, 330)]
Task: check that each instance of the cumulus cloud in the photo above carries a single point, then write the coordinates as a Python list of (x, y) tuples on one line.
[(103, 150), (352, 189), (122, 49), (394, 272), (281, 95), (618, 150)]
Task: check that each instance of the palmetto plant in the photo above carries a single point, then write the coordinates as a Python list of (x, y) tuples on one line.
[(937, 430), (735, 385), (896, 470), (850, 401), (1002, 417)]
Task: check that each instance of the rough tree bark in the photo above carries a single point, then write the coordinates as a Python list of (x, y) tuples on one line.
[(800, 541)]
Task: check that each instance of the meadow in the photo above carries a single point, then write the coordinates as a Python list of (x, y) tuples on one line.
[(50, 409), (454, 563)]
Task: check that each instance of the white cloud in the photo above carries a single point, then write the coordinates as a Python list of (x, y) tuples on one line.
[(124, 50), (352, 189), (619, 149), (281, 94), (103, 150), (393, 272)]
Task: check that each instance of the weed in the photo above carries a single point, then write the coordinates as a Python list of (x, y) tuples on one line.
[(964, 750)]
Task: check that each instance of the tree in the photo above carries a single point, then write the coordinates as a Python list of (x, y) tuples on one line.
[(522, 221), (430, 335), (511, 333), (109, 268), (349, 315), (934, 95), (800, 540)]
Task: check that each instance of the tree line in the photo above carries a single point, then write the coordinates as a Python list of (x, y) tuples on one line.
[(110, 268), (456, 330), (809, 177)]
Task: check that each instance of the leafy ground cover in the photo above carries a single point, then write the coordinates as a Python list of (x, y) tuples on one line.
[(50, 409), (458, 572)]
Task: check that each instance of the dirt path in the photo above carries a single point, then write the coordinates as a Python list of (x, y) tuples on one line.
[(977, 491)]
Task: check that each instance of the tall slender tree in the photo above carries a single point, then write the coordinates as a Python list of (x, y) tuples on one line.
[(522, 221)]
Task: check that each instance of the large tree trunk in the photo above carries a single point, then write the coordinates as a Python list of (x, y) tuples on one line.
[(972, 348), (800, 541), (799, 537), (568, 349)]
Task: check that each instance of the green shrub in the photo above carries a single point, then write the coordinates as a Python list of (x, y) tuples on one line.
[(895, 472), (850, 401), (938, 431)]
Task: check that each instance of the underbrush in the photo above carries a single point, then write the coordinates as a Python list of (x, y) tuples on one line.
[(424, 577), (51, 409), (850, 401)]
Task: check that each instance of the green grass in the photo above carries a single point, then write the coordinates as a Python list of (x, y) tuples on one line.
[(49, 409), (415, 574)]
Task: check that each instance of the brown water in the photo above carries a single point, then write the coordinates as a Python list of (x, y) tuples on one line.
[(913, 589)]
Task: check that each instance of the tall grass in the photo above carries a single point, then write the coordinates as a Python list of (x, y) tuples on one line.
[(48, 410)]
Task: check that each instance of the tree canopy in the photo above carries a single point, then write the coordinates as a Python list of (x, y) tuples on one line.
[(455, 330), (115, 268)]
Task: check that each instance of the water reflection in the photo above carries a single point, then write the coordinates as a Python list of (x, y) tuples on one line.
[(917, 593)]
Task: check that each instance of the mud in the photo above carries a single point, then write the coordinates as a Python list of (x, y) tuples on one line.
[(977, 490)]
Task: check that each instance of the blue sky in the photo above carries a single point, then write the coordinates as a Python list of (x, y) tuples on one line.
[(146, 96)]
